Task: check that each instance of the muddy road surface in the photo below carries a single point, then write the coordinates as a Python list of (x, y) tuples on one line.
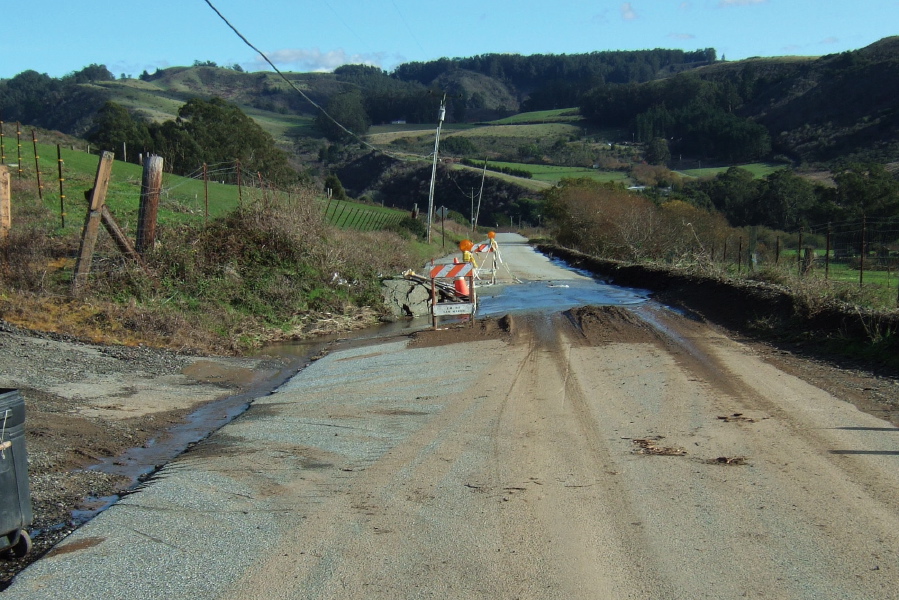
[(595, 452)]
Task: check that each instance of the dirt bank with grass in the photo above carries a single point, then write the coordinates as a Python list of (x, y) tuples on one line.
[(757, 308)]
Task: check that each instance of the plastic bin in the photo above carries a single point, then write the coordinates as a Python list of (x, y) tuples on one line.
[(15, 495)]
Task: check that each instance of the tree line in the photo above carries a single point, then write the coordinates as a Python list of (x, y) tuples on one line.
[(787, 201), (205, 131), (696, 117)]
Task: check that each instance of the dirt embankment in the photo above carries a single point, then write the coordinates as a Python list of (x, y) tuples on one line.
[(747, 306)]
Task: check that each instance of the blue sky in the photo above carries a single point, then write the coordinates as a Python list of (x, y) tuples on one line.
[(131, 37)]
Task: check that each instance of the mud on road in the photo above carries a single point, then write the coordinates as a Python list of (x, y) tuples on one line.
[(601, 452)]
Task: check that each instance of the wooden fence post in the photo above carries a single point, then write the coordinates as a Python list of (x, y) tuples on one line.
[(151, 184), (92, 223), (19, 149), (239, 185), (205, 195), (37, 167), (861, 263), (62, 195), (5, 204)]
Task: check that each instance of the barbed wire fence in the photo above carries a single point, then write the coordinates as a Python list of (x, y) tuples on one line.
[(223, 187), (854, 258)]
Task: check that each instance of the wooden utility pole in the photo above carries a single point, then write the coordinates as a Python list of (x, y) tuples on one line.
[(92, 223), (151, 184), (5, 204)]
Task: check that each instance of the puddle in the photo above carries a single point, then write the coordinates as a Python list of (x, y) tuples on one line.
[(554, 296)]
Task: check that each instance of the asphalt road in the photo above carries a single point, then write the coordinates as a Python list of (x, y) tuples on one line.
[(606, 453)]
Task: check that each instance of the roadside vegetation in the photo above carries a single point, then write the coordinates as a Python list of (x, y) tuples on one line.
[(263, 268)]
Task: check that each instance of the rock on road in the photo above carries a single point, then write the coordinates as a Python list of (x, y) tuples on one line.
[(601, 453)]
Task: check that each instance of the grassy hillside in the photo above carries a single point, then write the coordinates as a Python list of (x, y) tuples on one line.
[(830, 108), (183, 199)]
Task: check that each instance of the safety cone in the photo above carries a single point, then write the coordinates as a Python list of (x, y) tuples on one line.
[(461, 286)]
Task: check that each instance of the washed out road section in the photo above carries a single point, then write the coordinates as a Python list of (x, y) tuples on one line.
[(604, 452)]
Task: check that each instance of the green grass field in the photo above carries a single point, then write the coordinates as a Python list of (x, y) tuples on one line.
[(761, 169), (183, 199), (560, 115), (528, 132), (553, 174)]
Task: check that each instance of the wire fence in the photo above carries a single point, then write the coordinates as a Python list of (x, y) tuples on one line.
[(209, 191), (855, 254)]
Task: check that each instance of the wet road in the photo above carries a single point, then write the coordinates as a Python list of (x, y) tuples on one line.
[(610, 453)]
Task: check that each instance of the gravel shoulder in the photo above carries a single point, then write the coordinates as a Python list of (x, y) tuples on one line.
[(85, 403)]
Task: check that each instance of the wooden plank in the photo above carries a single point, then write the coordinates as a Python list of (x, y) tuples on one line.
[(92, 222), (121, 240)]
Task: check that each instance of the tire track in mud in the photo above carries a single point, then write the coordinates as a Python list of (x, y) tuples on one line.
[(814, 509), (578, 522)]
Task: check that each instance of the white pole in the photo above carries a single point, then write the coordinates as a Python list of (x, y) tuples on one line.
[(440, 116), (480, 195)]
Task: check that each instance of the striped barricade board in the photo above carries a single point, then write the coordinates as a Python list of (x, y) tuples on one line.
[(451, 270)]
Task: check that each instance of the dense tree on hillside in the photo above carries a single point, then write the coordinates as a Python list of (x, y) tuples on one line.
[(215, 131), (346, 109), (387, 98), (657, 152), (696, 115), (866, 190), (91, 74), (556, 81), (40, 100), (533, 71), (114, 126)]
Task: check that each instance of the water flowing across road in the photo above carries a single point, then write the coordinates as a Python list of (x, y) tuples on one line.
[(599, 454)]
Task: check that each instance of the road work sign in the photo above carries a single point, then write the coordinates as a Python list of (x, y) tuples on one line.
[(451, 270), (453, 308)]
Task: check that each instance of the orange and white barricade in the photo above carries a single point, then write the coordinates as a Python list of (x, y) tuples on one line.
[(464, 290)]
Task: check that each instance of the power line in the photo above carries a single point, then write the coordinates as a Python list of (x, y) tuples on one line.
[(409, 29), (284, 77)]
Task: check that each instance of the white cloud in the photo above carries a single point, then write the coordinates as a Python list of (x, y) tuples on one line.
[(682, 36), (830, 40), (726, 3), (627, 12), (314, 60), (685, 6)]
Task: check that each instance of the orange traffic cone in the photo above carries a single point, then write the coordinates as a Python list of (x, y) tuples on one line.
[(461, 286)]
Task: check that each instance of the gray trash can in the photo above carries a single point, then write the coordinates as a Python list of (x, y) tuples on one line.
[(15, 496)]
